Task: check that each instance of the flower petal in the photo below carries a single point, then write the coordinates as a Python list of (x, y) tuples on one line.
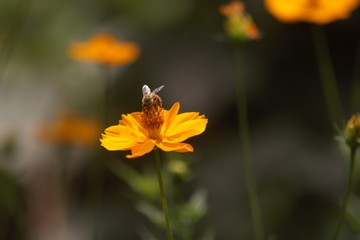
[(183, 117), (186, 129), (133, 121), (114, 131), (105, 49), (176, 147), (121, 137), (141, 149), (121, 131), (117, 138), (114, 144), (169, 116)]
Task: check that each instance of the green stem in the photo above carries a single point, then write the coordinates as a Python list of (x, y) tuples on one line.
[(95, 182), (346, 194), (162, 192), (64, 180), (13, 35), (327, 75), (245, 148), (96, 169), (355, 86), (106, 97)]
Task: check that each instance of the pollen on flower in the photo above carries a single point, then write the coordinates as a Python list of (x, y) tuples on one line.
[(152, 119)]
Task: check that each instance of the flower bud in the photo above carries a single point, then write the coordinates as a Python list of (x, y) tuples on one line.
[(238, 25), (352, 131), (178, 168)]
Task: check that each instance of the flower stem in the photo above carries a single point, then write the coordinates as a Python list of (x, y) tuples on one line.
[(355, 86), (12, 36), (162, 192), (96, 169), (346, 194), (106, 98), (328, 79), (95, 186), (245, 148)]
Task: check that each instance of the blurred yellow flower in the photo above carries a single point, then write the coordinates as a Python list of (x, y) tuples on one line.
[(153, 127), (105, 49), (313, 11), (69, 129), (238, 24)]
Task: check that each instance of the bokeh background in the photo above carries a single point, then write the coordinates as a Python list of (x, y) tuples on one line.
[(300, 168)]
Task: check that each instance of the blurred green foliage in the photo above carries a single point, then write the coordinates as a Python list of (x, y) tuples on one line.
[(185, 212)]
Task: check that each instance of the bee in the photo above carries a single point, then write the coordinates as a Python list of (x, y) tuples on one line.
[(150, 98)]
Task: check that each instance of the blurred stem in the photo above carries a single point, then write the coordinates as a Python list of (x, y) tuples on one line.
[(107, 72), (355, 87), (18, 221), (64, 180), (162, 193), (96, 178), (12, 35), (346, 194), (327, 75), (20, 224), (245, 146)]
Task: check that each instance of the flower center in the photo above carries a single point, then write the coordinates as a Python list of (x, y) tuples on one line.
[(152, 118)]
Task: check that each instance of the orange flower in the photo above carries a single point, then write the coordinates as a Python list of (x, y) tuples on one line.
[(105, 49), (232, 8), (238, 24), (68, 129), (153, 127), (313, 11)]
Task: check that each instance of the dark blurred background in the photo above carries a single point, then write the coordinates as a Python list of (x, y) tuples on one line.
[(300, 168)]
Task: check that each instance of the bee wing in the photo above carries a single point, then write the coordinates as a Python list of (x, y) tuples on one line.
[(156, 90), (146, 90)]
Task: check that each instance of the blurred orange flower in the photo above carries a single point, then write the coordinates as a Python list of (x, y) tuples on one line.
[(238, 24), (105, 49), (142, 131), (69, 129), (313, 11), (232, 8)]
